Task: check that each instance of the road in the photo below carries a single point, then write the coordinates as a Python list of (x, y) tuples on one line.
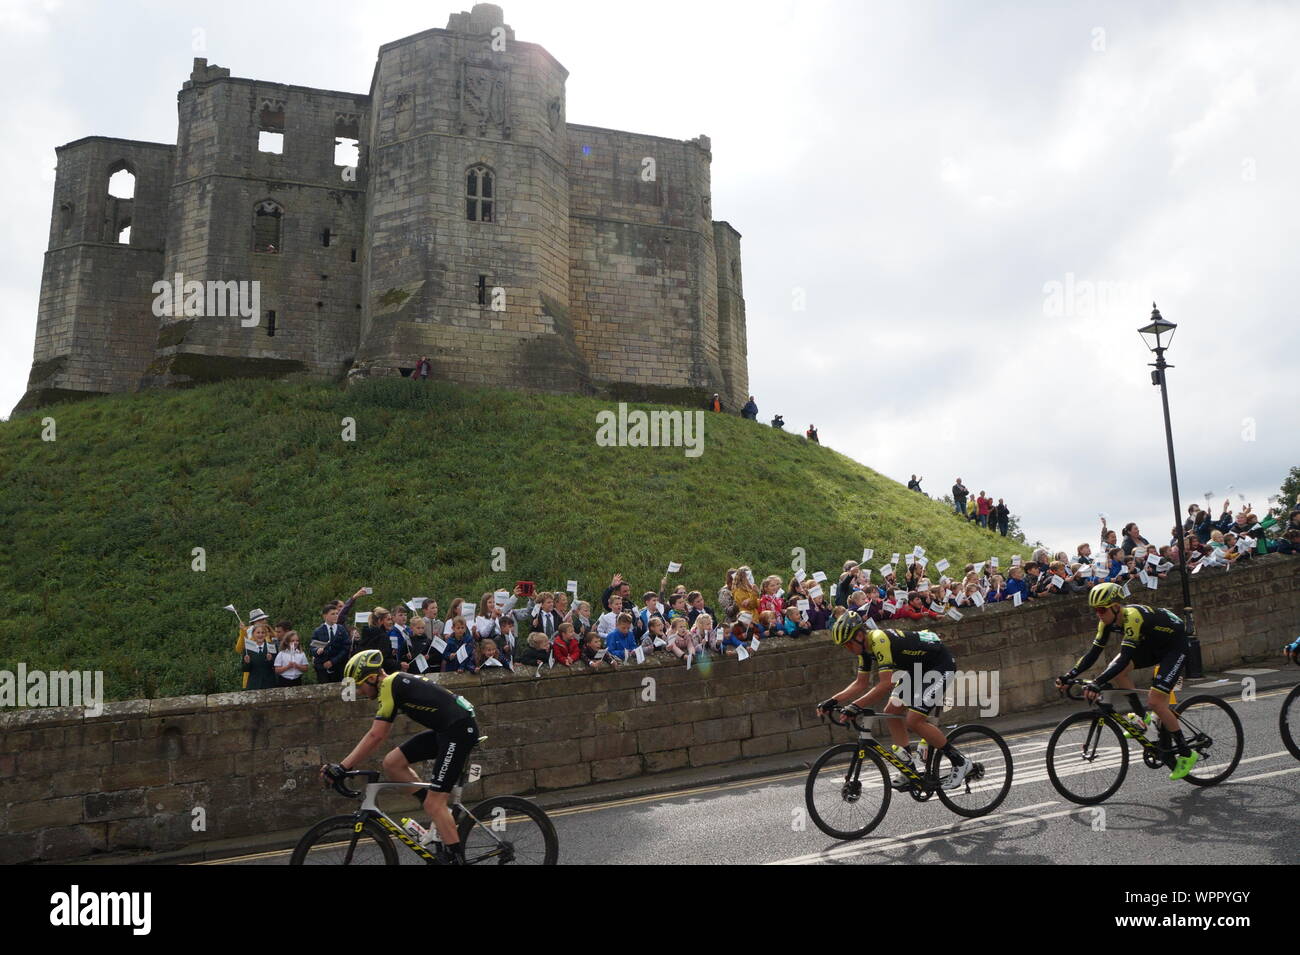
[(1253, 818)]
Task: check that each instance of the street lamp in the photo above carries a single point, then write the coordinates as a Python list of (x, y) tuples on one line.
[(1158, 335)]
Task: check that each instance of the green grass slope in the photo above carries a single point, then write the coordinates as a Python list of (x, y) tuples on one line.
[(101, 523)]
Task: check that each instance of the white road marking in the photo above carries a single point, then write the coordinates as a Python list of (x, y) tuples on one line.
[(1276, 772), (1015, 817)]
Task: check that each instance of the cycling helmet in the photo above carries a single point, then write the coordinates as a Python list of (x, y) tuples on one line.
[(1103, 595), (847, 627), (363, 664)]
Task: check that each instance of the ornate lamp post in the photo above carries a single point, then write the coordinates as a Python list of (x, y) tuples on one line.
[(1158, 335)]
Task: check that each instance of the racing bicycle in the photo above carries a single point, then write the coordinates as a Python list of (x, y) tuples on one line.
[(1088, 753), (1288, 721), (848, 788), (497, 831)]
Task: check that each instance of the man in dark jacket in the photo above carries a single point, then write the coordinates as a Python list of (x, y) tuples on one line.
[(959, 495), (329, 646), (1002, 515), (750, 410)]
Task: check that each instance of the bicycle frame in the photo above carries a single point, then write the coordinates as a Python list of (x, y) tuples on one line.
[(369, 810), (1151, 750), (923, 784)]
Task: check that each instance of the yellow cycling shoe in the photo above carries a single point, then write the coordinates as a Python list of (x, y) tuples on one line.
[(1184, 765)]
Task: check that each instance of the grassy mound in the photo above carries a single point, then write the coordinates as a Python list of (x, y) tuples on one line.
[(103, 521)]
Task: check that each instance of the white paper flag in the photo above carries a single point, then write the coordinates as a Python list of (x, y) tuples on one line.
[(886, 570), (802, 605), (894, 559), (421, 664), (976, 599), (600, 653), (780, 592), (936, 607), (1015, 599), (942, 566), (753, 644), (572, 587), (799, 575), (489, 662), (866, 574), (922, 587), (1015, 560), (362, 618), (872, 625), (979, 568), (867, 554), (673, 567), (659, 642), (954, 613), (1153, 583), (438, 644), (1127, 591), (499, 597), (819, 576), (746, 618), (918, 551), (1153, 558), (462, 654), (993, 562), (923, 561), (689, 657), (742, 653), (640, 655), (815, 590), (468, 610)]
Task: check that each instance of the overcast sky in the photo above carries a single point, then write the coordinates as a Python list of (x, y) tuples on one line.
[(919, 174)]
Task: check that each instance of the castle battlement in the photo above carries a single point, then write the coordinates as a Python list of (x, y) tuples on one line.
[(472, 224)]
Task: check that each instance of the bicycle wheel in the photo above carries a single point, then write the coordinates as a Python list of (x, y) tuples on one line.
[(1288, 722), (989, 780), (847, 792), (1213, 729), (1087, 758), (338, 841), (509, 829)]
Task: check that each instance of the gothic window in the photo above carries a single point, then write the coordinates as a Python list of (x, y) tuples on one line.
[(121, 180), (480, 193), (267, 216), (270, 127)]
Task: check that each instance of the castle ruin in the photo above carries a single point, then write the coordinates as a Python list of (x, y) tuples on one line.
[(475, 225)]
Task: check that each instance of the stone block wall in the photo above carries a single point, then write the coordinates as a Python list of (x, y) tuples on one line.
[(133, 777)]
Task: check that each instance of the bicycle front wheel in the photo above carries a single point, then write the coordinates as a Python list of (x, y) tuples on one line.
[(509, 830), (1087, 758), (344, 840), (1288, 722), (989, 779), (1213, 729), (847, 792)]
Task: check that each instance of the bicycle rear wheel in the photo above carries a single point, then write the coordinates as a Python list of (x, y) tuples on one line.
[(1288, 722), (1213, 729), (847, 792), (509, 829), (1087, 758), (989, 779), (342, 840)]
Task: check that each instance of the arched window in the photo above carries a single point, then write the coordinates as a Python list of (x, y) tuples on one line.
[(124, 232), (480, 193), (267, 216), (121, 180)]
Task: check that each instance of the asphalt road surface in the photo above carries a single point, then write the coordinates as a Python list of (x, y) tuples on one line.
[(1253, 818)]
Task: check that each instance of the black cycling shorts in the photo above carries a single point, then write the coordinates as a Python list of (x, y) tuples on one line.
[(925, 695), (1171, 668), (448, 750)]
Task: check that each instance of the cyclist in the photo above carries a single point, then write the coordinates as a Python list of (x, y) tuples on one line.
[(450, 736), (1150, 636), (932, 667), (1292, 650)]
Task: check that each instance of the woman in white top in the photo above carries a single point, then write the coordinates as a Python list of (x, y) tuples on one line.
[(452, 614), (291, 662)]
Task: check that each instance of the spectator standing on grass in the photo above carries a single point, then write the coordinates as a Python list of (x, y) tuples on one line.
[(259, 655), (972, 511), (983, 505), (1002, 517), (750, 410), (914, 484), (811, 434), (715, 403), (421, 372), (959, 495), (290, 662)]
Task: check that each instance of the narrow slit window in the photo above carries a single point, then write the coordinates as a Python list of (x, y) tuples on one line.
[(482, 289), (124, 237), (270, 324), (325, 238)]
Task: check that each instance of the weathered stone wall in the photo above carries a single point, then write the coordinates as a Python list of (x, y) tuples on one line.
[(132, 777), (95, 328)]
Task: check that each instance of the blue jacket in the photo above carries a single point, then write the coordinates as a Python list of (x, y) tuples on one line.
[(1014, 586), (449, 662), (618, 643)]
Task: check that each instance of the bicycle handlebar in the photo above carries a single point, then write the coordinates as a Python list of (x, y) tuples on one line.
[(855, 721), (343, 789)]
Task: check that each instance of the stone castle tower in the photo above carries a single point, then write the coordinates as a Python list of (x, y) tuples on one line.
[(476, 226)]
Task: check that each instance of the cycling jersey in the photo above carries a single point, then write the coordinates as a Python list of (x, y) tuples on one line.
[(897, 649), (1150, 636), (422, 700), (920, 659)]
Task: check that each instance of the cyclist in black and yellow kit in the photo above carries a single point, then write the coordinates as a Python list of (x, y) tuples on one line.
[(1151, 636), (929, 666), (450, 736)]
